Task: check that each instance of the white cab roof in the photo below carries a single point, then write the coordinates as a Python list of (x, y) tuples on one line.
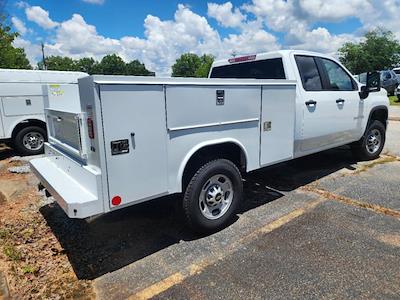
[(268, 55), (37, 76)]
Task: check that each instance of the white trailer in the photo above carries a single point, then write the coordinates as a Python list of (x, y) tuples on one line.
[(22, 120), (137, 138)]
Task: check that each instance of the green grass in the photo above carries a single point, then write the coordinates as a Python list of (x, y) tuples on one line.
[(12, 253), (29, 269), (394, 101)]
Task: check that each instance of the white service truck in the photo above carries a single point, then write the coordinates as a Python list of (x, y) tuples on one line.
[(137, 138), (22, 120)]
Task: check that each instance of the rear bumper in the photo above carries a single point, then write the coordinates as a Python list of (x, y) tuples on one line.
[(75, 187)]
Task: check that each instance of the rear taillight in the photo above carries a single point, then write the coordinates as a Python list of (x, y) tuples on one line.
[(90, 128)]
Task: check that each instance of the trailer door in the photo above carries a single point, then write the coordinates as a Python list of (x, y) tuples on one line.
[(135, 141), (277, 123)]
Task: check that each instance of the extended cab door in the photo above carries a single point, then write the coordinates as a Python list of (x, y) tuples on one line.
[(328, 113)]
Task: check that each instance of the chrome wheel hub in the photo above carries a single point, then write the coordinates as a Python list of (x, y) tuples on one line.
[(374, 140), (216, 197), (33, 141)]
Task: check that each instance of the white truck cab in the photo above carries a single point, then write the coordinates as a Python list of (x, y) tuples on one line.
[(329, 110), (22, 120), (137, 138)]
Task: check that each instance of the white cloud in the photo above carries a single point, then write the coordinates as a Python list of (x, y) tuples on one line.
[(76, 38), (295, 18), (33, 51), (40, 16), (252, 25), (94, 1), (19, 25), (226, 15), (333, 10), (164, 40)]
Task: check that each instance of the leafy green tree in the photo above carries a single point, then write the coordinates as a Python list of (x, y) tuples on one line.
[(378, 51), (186, 65), (191, 65), (112, 65), (10, 56), (59, 63), (204, 69), (136, 68), (109, 65), (87, 65)]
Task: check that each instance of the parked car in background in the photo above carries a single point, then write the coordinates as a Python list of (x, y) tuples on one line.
[(397, 71), (389, 81), (397, 93)]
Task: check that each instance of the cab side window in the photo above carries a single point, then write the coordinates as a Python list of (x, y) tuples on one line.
[(338, 78), (309, 73)]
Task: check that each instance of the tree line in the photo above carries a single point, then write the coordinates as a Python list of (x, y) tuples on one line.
[(110, 64), (378, 50)]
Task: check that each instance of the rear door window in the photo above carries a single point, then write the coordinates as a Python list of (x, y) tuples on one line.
[(261, 69), (309, 73)]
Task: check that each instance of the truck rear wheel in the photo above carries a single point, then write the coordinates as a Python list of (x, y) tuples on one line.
[(370, 146), (212, 196), (30, 140)]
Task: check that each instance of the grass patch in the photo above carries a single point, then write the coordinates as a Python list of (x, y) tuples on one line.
[(12, 253), (394, 100), (380, 161), (30, 269)]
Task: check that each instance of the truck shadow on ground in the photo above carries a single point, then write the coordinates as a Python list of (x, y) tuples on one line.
[(6, 152), (112, 241)]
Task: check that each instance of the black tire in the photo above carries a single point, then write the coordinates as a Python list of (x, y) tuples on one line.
[(19, 140), (360, 148), (191, 203)]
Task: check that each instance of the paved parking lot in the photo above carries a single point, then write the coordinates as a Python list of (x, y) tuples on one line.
[(322, 226), (318, 227)]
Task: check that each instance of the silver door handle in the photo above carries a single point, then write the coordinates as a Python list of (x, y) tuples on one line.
[(340, 101)]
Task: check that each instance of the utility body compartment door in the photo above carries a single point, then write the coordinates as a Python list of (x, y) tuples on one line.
[(135, 140), (22, 105), (278, 110)]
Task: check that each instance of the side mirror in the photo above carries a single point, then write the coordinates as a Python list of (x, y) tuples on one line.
[(373, 84)]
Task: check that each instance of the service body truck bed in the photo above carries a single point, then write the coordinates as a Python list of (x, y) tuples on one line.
[(146, 130), (138, 138)]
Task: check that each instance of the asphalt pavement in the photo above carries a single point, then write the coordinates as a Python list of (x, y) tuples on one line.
[(320, 227)]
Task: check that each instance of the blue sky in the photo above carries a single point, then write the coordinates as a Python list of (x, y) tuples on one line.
[(158, 31)]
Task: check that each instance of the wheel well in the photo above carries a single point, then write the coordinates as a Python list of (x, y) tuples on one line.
[(379, 114), (26, 123), (229, 150)]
